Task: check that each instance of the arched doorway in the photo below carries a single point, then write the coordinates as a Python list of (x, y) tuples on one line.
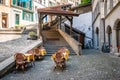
[(97, 36), (118, 35), (109, 33), (4, 20)]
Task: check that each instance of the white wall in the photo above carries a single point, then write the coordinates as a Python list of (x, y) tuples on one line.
[(21, 21), (96, 24), (15, 11), (84, 23), (35, 10)]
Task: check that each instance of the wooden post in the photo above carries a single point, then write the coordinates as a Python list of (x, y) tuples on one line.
[(71, 23), (60, 22), (39, 26)]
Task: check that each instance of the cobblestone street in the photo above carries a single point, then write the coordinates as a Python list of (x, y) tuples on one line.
[(92, 65)]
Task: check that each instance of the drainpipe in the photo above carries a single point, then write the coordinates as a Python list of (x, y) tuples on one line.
[(104, 30), (104, 47), (93, 35)]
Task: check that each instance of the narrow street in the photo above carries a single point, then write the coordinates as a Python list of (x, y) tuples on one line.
[(92, 65)]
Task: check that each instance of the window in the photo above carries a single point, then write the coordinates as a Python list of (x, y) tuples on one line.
[(111, 4), (44, 2), (35, 8), (16, 18), (27, 16), (23, 3), (40, 1), (27, 5), (36, 16), (1, 1)]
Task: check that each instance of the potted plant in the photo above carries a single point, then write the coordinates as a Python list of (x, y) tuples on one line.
[(32, 35)]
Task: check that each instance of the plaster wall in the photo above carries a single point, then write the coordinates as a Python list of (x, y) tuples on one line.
[(15, 11), (110, 21), (6, 10), (83, 22), (37, 6), (96, 25)]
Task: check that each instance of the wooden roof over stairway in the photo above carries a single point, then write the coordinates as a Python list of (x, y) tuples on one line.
[(57, 10)]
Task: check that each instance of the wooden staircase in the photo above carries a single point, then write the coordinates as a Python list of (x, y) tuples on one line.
[(53, 41)]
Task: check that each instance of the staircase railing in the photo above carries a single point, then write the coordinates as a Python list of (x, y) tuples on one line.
[(76, 46), (52, 23)]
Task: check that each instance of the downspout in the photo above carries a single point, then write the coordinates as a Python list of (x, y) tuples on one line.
[(104, 46), (93, 35), (104, 30), (93, 31)]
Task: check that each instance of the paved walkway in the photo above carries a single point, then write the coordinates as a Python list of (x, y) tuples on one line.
[(92, 65), (11, 43)]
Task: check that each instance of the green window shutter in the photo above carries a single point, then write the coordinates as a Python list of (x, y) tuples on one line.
[(32, 16), (25, 4), (30, 6), (17, 19), (23, 15), (14, 2)]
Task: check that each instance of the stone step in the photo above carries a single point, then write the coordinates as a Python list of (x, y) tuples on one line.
[(53, 49), (54, 41)]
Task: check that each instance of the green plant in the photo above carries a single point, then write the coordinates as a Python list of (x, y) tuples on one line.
[(17, 27), (20, 26), (85, 1), (32, 34)]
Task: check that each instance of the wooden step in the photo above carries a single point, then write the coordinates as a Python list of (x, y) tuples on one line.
[(52, 39)]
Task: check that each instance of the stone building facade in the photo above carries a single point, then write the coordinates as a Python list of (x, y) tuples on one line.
[(106, 22), (5, 13), (21, 12)]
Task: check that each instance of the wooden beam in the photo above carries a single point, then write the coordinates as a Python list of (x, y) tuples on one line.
[(71, 24), (44, 17), (70, 19), (38, 27), (39, 30), (60, 21)]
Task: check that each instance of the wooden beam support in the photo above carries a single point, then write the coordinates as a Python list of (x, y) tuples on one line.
[(39, 30), (44, 17), (60, 21), (71, 24), (70, 19)]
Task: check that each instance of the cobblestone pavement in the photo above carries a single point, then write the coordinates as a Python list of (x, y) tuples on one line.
[(9, 44), (92, 65)]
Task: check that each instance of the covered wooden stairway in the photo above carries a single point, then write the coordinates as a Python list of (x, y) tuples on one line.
[(53, 41), (52, 38)]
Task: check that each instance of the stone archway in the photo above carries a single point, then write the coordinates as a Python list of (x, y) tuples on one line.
[(109, 35), (97, 36), (117, 32)]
